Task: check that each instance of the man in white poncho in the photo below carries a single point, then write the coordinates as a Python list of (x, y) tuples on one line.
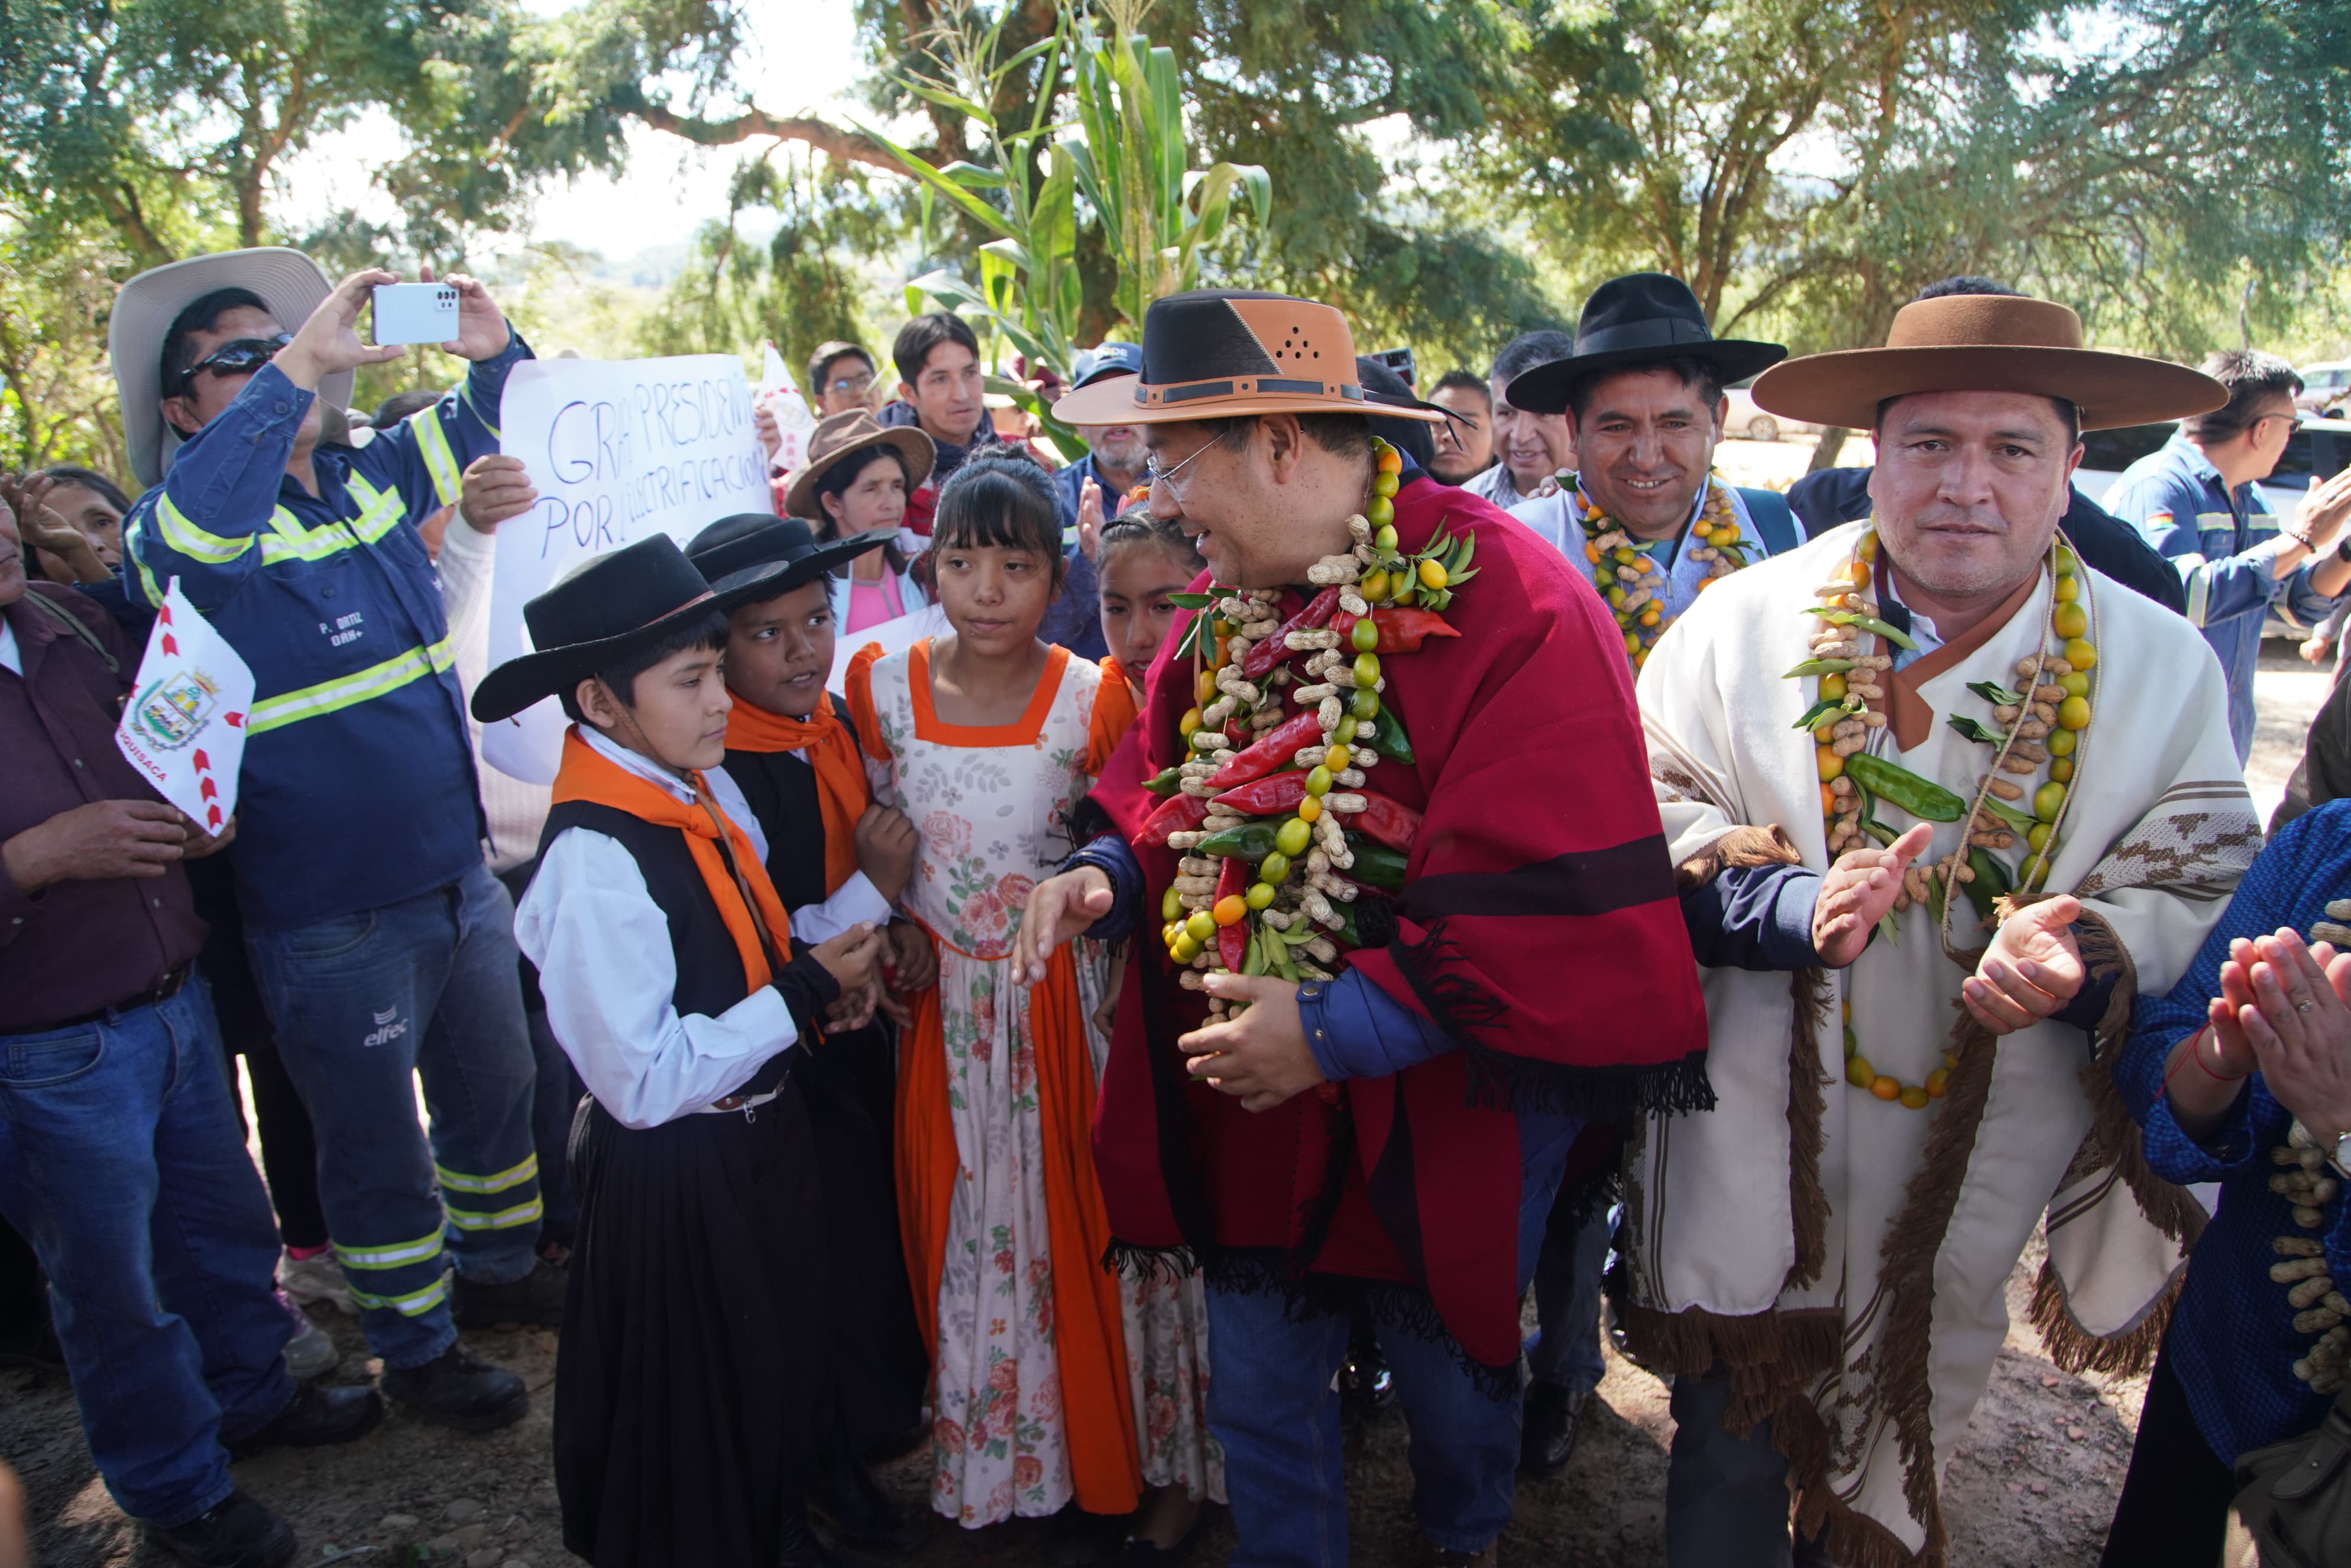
[(1859, 746)]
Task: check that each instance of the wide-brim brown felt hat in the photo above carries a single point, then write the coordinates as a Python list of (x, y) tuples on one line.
[(1218, 352), (1987, 342), (600, 612), (1641, 319), (836, 436)]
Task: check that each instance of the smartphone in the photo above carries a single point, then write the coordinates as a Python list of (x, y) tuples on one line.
[(1400, 361), (415, 312)]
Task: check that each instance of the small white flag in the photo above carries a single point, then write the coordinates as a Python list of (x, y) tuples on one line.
[(779, 394), (183, 728)]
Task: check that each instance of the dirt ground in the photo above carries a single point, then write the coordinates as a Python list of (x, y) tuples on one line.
[(2031, 1484)]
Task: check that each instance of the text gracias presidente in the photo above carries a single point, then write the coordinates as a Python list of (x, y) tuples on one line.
[(598, 452)]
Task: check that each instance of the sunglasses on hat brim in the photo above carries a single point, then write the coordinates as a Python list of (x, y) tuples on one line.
[(238, 357)]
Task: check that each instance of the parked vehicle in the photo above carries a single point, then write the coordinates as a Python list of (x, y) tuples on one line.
[(2325, 389), (2106, 452), (1749, 423)]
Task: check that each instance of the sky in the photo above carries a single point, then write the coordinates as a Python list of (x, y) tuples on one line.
[(802, 59)]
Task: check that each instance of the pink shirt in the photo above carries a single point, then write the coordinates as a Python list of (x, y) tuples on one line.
[(871, 603)]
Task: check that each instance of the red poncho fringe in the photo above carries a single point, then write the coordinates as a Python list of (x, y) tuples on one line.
[(1537, 925)]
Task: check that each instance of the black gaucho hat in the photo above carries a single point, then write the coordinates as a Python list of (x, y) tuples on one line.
[(749, 547), (1642, 318), (1216, 353), (600, 613)]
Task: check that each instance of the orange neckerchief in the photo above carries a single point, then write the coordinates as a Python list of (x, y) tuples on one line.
[(841, 792), (586, 776)]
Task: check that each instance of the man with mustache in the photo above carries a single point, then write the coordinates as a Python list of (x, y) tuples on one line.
[(1529, 448), (1858, 747)]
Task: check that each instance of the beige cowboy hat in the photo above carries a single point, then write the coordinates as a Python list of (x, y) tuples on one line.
[(837, 435), (1987, 342), (288, 282), (1216, 353)]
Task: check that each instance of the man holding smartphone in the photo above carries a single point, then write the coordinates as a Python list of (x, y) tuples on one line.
[(382, 945)]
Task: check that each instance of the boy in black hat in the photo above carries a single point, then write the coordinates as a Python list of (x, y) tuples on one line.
[(795, 779), (691, 1374)]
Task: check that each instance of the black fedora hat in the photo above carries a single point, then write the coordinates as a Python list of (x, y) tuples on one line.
[(775, 554), (1215, 353), (597, 615), (1642, 318)]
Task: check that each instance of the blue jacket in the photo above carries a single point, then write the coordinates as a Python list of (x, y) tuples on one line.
[(2232, 1341), (2224, 546), (357, 788)]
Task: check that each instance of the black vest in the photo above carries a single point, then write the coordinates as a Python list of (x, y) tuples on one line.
[(780, 789), (710, 977)]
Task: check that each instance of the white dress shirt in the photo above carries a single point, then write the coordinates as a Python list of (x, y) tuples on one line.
[(515, 808), (11, 659), (602, 948), (856, 899)]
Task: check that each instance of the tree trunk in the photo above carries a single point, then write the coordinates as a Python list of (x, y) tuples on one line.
[(1826, 450)]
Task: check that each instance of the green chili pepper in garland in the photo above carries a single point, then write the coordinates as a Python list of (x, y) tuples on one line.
[(1376, 865), (1251, 842), (1167, 782), (1922, 797), (1388, 738)]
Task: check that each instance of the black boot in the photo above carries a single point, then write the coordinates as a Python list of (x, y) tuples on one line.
[(238, 1532), (1547, 1433), (458, 1388), (314, 1418), (536, 1299), (845, 1497), (800, 1548)]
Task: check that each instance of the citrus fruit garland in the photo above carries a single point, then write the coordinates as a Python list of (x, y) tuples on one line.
[(2042, 723), (1279, 838), (1629, 578)]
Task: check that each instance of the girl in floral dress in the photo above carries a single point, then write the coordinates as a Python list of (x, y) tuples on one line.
[(989, 740)]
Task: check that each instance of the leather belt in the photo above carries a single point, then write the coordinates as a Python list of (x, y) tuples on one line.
[(762, 1086), (163, 991)]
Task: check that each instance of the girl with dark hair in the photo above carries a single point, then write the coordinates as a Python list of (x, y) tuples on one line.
[(1142, 560), (989, 739)]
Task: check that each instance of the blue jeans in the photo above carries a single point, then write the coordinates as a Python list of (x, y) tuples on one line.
[(1271, 1405), (364, 1003), (1567, 1302), (120, 1162)]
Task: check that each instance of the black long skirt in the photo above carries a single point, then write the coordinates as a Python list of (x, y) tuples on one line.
[(880, 1364), (691, 1379)]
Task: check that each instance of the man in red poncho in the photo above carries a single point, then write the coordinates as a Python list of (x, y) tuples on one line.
[(1388, 1131)]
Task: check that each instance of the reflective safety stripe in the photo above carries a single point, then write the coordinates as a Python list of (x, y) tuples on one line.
[(504, 1219), (348, 691), (397, 1256), (415, 1304), (466, 392), (433, 445), (2196, 574), (520, 1173), (191, 542), (379, 512)]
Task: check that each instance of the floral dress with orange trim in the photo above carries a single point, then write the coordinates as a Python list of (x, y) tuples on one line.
[(993, 807)]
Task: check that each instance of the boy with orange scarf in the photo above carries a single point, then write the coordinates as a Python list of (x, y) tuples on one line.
[(694, 1377), (793, 778)]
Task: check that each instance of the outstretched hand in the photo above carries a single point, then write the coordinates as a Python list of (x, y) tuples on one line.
[(1858, 892), (2032, 969), (1059, 908)]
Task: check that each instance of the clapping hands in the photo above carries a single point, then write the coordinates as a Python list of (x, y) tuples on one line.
[(2285, 1008)]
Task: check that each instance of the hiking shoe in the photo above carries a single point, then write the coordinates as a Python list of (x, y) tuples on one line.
[(459, 1389), (238, 1532), (316, 1418), (316, 1280), (536, 1299), (309, 1353)]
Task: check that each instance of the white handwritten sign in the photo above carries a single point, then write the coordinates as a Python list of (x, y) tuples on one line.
[(183, 728), (618, 450)]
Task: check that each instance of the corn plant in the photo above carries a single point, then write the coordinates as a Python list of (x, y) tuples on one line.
[(1125, 152)]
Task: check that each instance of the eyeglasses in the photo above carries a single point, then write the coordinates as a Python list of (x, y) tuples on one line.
[(1153, 474), (851, 386), (238, 357)]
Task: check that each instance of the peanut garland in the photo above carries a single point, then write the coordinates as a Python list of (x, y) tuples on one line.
[(1631, 581), (2306, 1180), (2044, 724), (1295, 904)]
